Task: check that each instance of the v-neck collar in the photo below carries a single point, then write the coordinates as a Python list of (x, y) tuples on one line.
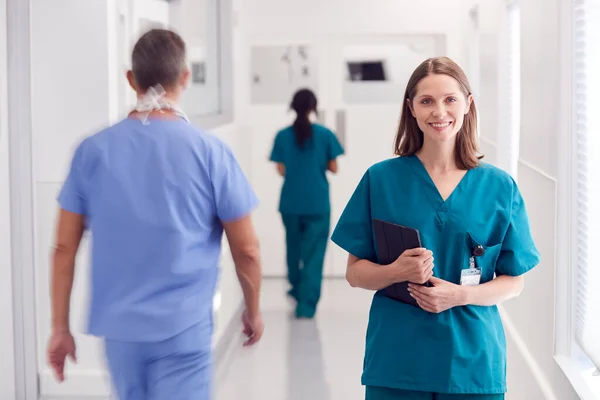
[(439, 204)]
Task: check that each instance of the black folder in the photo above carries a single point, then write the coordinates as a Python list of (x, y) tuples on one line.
[(391, 240)]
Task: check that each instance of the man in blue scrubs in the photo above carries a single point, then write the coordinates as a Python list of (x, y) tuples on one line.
[(156, 194)]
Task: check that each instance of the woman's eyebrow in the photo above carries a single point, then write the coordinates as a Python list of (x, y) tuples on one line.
[(447, 94)]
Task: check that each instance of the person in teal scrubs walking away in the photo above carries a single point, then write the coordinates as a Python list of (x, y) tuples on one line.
[(471, 218), (304, 152)]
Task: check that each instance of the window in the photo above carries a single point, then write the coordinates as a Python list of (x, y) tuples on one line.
[(577, 328), (586, 102), (514, 87), (509, 101), (206, 27)]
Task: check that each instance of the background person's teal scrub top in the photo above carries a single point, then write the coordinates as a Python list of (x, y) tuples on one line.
[(461, 350), (305, 189)]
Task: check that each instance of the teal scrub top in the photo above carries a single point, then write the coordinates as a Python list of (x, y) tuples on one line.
[(305, 188), (461, 350)]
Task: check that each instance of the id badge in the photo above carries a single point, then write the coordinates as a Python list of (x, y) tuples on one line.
[(470, 277)]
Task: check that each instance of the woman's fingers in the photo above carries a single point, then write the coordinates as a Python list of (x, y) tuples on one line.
[(419, 296)]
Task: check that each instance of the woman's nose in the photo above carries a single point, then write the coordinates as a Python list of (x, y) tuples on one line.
[(439, 111)]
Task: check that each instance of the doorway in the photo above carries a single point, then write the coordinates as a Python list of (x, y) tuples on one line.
[(359, 81)]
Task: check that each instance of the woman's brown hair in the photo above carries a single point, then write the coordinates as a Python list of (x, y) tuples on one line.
[(409, 138)]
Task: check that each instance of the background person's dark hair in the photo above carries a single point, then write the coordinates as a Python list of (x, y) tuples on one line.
[(303, 103), (159, 57)]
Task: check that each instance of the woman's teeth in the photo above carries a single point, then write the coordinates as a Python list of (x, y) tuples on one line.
[(442, 125)]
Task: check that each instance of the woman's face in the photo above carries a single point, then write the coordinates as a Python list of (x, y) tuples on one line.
[(439, 107)]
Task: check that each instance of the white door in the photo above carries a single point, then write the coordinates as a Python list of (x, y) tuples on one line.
[(363, 113)]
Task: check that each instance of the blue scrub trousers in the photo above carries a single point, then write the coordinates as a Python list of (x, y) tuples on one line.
[(380, 393), (178, 368), (306, 241)]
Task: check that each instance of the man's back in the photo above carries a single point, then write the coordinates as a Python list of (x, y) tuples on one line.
[(154, 197)]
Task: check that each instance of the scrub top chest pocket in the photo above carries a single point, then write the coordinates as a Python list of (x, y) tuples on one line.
[(485, 257)]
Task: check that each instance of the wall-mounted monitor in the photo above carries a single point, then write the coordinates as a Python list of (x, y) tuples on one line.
[(366, 71)]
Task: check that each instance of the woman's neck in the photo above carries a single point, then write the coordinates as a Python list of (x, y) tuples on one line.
[(438, 157)]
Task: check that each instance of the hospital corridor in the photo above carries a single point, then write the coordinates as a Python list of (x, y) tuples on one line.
[(322, 356), (299, 200)]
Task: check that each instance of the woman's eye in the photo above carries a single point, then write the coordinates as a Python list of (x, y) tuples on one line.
[(426, 101), (451, 99)]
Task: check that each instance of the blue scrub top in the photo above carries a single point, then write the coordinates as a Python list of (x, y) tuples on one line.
[(461, 350), (305, 188), (154, 197)]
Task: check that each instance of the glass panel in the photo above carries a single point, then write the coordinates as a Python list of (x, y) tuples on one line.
[(197, 21)]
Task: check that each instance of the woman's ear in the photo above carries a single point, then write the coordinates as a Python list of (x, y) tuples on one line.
[(469, 102)]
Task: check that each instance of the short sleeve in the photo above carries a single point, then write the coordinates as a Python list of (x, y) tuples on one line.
[(72, 196), (334, 148), (518, 252), (277, 153), (354, 231), (234, 197)]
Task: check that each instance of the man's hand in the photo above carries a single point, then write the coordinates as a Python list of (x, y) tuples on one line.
[(60, 346), (442, 296), (253, 328)]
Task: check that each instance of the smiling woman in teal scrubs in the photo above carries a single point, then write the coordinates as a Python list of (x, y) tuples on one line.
[(304, 152), (452, 346)]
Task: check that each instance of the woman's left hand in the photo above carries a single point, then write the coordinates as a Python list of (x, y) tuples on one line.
[(442, 296)]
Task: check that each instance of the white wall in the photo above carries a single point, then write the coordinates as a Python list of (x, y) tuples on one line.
[(492, 15), (529, 320), (307, 19), (7, 373)]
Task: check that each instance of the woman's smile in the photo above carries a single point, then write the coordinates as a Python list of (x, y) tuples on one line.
[(441, 126)]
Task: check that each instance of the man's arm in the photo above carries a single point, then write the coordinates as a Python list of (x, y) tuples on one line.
[(245, 250), (68, 237)]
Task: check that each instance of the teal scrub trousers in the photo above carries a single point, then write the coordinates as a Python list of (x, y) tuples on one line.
[(306, 242), (380, 393)]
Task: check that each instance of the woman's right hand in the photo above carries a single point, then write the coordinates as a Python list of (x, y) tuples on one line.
[(415, 265)]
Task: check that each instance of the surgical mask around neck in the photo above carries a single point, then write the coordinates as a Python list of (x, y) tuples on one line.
[(154, 100)]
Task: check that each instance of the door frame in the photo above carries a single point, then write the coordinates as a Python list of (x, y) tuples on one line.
[(7, 353), (21, 199)]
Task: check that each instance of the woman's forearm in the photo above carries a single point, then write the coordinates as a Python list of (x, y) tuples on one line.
[(493, 292), (367, 275), (63, 270)]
